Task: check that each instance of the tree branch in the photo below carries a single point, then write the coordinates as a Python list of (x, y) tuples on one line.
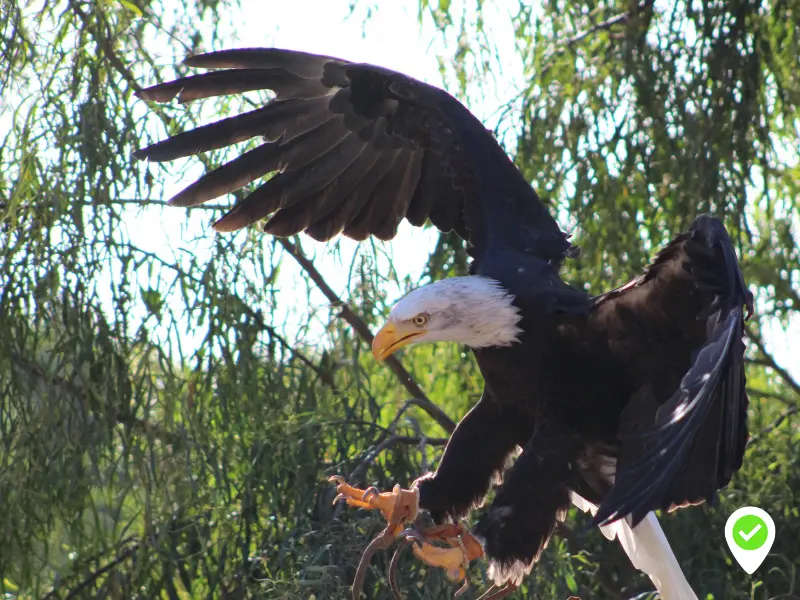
[(388, 443), (324, 376), (123, 418), (419, 398), (608, 23), (768, 361), (771, 395), (792, 410), (362, 329), (103, 43), (95, 575)]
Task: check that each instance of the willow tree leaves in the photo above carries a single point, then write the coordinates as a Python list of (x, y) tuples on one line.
[(170, 408)]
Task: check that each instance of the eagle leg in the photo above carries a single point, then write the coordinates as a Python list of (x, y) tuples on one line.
[(398, 506), (455, 563)]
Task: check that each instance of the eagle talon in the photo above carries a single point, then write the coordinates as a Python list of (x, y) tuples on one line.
[(494, 594), (369, 492), (413, 535), (463, 549), (452, 559), (418, 534), (399, 506), (464, 587)]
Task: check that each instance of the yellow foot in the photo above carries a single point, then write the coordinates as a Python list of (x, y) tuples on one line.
[(461, 549), (399, 506)]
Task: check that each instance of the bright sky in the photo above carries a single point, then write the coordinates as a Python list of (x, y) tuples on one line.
[(392, 37)]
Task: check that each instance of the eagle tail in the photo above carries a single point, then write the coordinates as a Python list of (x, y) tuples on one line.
[(648, 550)]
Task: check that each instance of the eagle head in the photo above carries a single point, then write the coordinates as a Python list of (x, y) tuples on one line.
[(475, 310)]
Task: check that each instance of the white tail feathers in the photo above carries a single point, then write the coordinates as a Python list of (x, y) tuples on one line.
[(649, 551)]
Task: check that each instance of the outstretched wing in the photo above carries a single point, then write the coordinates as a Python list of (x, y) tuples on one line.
[(356, 149), (680, 326)]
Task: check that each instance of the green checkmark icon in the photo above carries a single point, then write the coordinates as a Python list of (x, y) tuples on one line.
[(750, 532)]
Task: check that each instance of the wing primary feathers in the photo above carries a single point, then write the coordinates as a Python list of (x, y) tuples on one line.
[(297, 215), (208, 137), (384, 226), (306, 148), (262, 202), (231, 176), (289, 119), (293, 185), (235, 81), (699, 434), (320, 228), (286, 119), (419, 207), (422, 131), (302, 64), (287, 155), (640, 486), (376, 209), (334, 222)]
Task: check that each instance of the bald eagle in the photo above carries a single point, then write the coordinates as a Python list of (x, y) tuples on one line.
[(623, 403)]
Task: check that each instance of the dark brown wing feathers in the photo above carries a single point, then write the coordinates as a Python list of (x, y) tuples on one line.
[(355, 149), (358, 148), (684, 431)]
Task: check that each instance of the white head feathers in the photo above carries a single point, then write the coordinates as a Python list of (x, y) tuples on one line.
[(476, 311)]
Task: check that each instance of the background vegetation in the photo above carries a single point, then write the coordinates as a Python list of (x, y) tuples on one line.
[(168, 420)]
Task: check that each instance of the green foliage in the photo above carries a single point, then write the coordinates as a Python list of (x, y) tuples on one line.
[(169, 415)]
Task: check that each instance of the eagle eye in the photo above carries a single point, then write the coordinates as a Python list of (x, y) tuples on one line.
[(421, 320)]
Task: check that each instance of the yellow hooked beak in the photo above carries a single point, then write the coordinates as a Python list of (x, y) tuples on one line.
[(391, 337)]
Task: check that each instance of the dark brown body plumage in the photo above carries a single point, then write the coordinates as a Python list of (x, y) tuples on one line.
[(633, 399), (597, 386)]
